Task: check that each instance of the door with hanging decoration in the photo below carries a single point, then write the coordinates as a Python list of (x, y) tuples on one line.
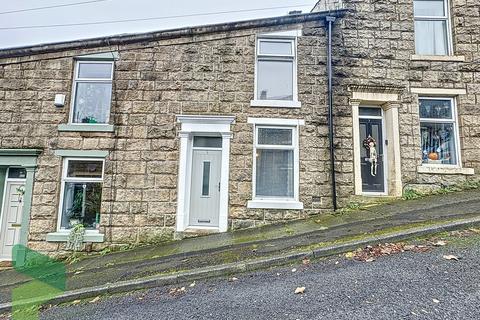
[(372, 155)]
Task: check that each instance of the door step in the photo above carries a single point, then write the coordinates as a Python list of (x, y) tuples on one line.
[(194, 232), (5, 265)]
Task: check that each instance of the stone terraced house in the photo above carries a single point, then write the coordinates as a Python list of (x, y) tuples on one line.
[(204, 129)]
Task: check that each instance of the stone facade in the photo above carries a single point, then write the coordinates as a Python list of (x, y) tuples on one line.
[(213, 73), (375, 46)]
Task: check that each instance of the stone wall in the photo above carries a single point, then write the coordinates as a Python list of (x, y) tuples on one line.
[(154, 82), (214, 74), (373, 46)]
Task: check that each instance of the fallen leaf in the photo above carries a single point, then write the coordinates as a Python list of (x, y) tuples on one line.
[(349, 255), (450, 257), (294, 270), (95, 299), (435, 300), (76, 301), (192, 284), (440, 243), (300, 290), (177, 291), (306, 261), (370, 260), (233, 279), (140, 298)]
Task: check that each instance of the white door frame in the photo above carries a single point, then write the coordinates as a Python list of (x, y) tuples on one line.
[(389, 102), (4, 199), (194, 125)]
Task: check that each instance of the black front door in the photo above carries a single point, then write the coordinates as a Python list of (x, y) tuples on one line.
[(373, 173)]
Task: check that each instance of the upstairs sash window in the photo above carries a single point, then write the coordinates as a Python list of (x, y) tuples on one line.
[(92, 92), (432, 27)]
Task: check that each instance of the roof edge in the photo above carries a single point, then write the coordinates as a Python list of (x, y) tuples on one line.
[(165, 34)]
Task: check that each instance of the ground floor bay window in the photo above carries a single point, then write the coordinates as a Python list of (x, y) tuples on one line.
[(276, 164), (81, 193), (438, 131)]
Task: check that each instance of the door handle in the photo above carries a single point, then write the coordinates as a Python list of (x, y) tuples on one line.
[(16, 225), (219, 186)]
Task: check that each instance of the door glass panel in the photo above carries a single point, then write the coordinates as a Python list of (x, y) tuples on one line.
[(206, 178), (207, 142), (377, 112), (363, 135), (17, 173), (377, 136)]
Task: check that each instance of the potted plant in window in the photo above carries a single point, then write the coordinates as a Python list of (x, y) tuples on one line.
[(74, 214), (89, 119), (92, 205), (75, 238)]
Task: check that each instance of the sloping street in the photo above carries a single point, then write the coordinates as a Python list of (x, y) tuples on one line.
[(408, 285)]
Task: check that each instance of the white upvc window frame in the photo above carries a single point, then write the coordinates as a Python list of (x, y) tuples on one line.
[(447, 19), (454, 121), (277, 202), (77, 79), (288, 37), (65, 179)]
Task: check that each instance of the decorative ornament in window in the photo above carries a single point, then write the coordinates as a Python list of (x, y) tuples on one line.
[(438, 132)]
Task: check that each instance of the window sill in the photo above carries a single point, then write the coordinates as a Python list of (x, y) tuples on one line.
[(418, 57), (444, 169), (86, 127), (274, 204), (62, 236), (275, 103)]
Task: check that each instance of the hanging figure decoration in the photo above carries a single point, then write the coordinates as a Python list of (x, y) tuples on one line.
[(371, 145), (21, 193)]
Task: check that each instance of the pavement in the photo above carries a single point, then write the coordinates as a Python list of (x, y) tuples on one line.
[(267, 242), (408, 285)]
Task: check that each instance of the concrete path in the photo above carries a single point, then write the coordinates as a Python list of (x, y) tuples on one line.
[(257, 243), (401, 286)]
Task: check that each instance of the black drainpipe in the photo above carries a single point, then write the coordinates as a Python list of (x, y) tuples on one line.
[(330, 20)]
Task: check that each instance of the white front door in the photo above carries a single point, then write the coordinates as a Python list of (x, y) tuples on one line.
[(205, 188), (11, 218)]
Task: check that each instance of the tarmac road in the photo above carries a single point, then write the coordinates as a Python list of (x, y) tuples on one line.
[(401, 286)]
